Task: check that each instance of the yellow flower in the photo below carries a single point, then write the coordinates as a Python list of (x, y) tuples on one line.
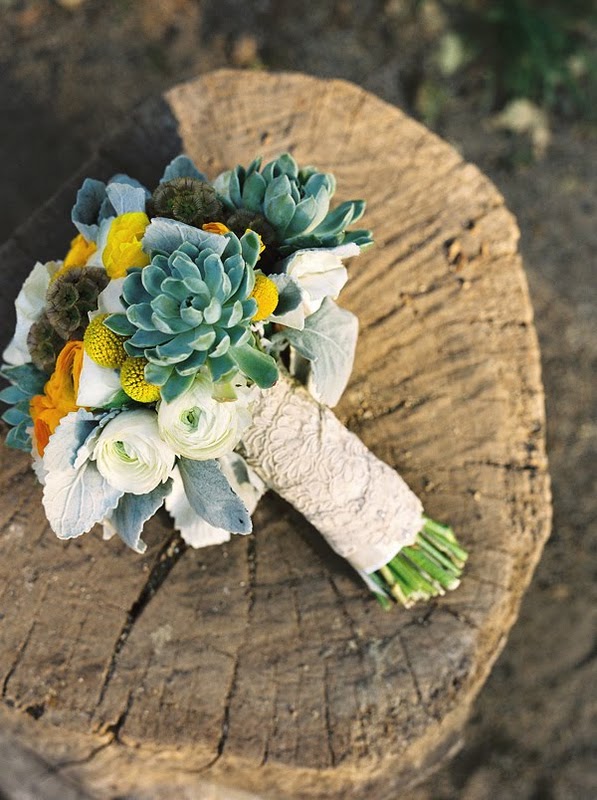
[(265, 294), (80, 251), (132, 379), (60, 394), (102, 345), (215, 227), (221, 229), (123, 247)]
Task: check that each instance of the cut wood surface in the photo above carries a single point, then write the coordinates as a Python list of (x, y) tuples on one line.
[(265, 665)]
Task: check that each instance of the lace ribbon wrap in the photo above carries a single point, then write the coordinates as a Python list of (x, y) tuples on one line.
[(299, 448)]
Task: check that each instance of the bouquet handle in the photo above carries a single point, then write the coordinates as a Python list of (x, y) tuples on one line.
[(300, 449)]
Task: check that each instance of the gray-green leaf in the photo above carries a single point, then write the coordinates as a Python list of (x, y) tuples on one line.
[(211, 496), (74, 498), (328, 341), (133, 511)]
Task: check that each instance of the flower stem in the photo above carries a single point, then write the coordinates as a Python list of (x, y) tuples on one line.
[(428, 568)]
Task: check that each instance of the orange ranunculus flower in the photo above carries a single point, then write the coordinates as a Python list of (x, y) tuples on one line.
[(60, 394), (215, 227)]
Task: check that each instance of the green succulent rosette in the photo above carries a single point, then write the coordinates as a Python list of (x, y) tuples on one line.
[(192, 309), (294, 202)]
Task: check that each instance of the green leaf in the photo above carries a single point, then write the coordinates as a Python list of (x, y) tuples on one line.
[(286, 165), (211, 496), (251, 245), (303, 216), (328, 341), (28, 378), (14, 417), (279, 210), (257, 366), (363, 238), (175, 386), (182, 167), (12, 395), (118, 323), (339, 219), (157, 374), (18, 438), (167, 235), (254, 192)]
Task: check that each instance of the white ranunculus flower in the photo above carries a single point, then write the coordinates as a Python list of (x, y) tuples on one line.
[(199, 427), (29, 304), (131, 455), (320, 273)]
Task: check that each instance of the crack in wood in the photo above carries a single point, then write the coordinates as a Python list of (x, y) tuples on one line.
[(274, 729), (361, 655), (327, 716), (458, 615), (170, 553), (230, 694), (17, 659), (415, 680), (21, 649)]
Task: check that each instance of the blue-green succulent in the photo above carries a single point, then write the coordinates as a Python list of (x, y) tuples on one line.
[(192, 309), (294, 202)]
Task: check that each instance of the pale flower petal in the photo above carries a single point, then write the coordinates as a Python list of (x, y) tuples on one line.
[(199, 427), (320, 273), (98, 386), (110, 300), (29, 305), (130, 454)]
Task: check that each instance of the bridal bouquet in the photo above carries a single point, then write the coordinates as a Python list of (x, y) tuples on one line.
[(186, 352)]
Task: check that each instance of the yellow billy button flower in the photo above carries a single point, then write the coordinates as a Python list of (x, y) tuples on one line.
[(123, 246), (80, 251), (132, 379), (102, 345), (265, 294)]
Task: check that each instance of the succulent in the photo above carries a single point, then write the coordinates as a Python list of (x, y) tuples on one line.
[(188, 200), (294, 202), (71, 297), (44, 344), (192, 309)]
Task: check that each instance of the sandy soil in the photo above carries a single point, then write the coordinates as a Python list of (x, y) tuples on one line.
[(68, 73)]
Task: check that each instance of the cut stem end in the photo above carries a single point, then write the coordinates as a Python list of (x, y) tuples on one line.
[(428, 568)]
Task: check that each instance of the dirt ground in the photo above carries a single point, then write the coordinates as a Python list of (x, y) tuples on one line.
[(69, 72)]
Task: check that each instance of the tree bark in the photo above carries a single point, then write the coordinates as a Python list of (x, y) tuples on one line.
[(265, 664)]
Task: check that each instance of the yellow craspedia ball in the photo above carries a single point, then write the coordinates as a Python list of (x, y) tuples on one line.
[(102, 345), (123, 246), (265, 293), (132, 380)]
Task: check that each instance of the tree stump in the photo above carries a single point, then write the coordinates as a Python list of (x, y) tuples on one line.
[(265, 664)]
